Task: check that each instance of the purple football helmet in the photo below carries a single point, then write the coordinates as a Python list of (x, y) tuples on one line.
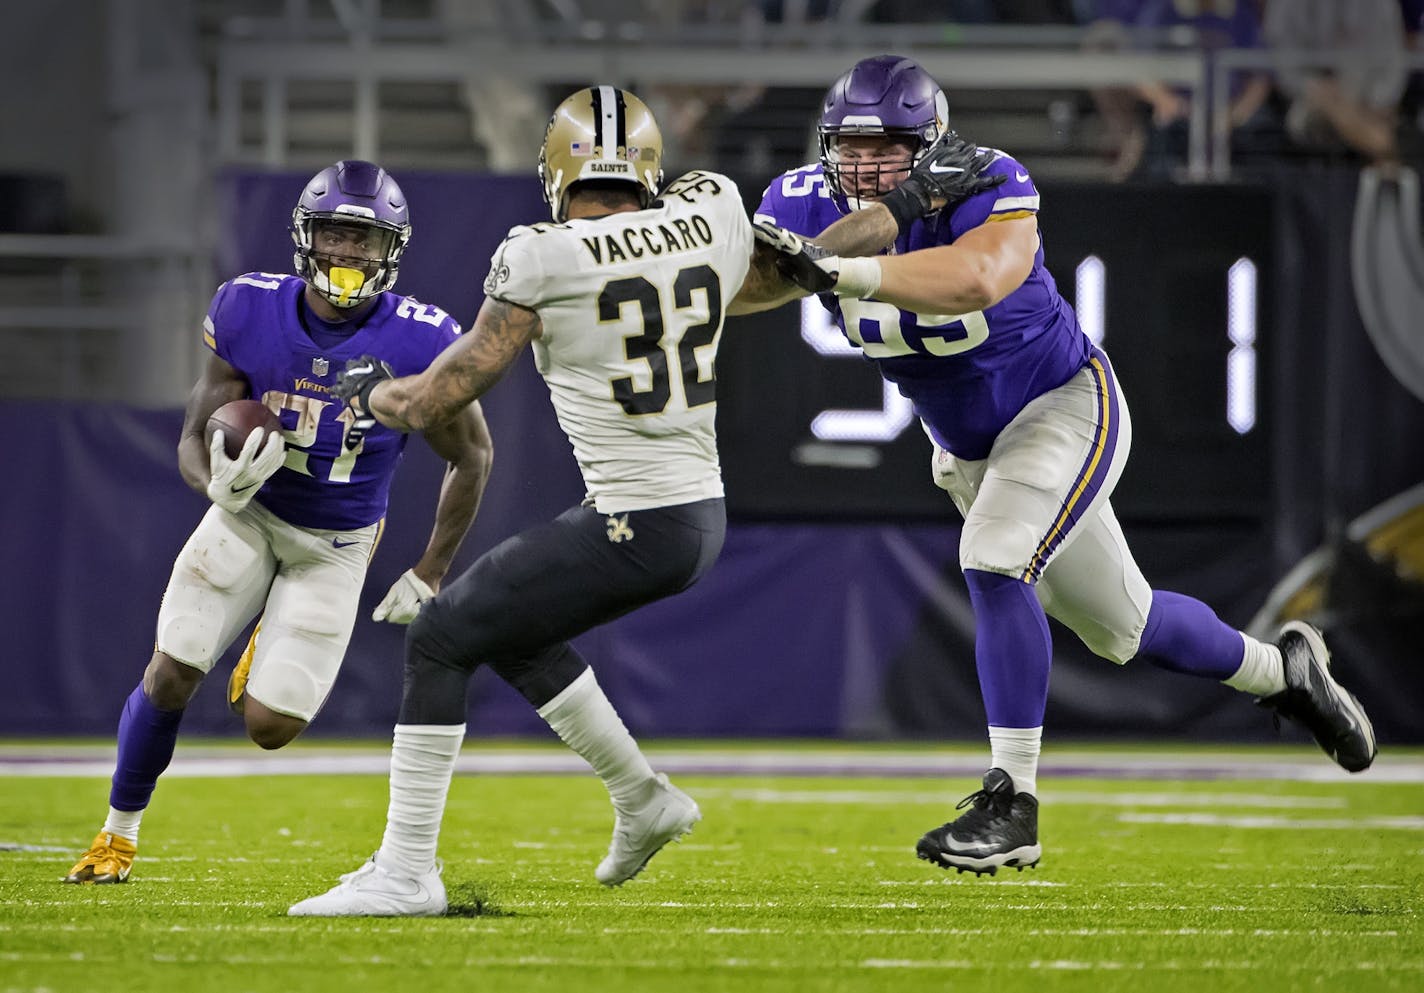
[(882, 95), (351, 226)]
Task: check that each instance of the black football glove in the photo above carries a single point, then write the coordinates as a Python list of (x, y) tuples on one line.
[(951, 170), (354, 385), (796, 258)]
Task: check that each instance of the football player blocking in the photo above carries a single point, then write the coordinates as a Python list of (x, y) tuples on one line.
[(622, 301), (929, 258), (293, 523)]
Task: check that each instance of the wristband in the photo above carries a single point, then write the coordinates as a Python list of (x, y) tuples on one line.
[(859, 278), (363, 397), (906, 203)]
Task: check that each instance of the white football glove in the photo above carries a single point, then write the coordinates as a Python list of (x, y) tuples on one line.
[(236, 481), (815, 270), (404, 600)]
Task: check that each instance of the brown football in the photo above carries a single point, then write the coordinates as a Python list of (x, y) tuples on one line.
[(236, 420)]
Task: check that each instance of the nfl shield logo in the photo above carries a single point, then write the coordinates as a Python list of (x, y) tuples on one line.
[(320, 367)]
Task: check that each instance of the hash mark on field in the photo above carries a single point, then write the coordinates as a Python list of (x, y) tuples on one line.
[(1151, 884), (975, 932), (1186, 798), (1206, 965), (1405, 823)]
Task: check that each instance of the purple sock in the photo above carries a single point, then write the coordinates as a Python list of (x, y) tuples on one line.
[(147, 737), (1185, 635), (1012, 649)]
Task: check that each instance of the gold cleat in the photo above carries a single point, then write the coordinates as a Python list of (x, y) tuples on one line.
[(108, 860)]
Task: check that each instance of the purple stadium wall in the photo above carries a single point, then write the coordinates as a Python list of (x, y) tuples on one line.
[(810, 624)]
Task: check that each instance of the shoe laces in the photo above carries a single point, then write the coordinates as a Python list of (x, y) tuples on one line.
[(98, 855), (103, 855), (364, 869), (987, 806)]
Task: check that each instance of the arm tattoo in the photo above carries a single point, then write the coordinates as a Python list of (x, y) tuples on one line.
[(764, 287), (462, 373), (864, 232)]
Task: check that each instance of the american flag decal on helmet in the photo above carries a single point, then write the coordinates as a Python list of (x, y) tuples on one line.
[(580, 148)]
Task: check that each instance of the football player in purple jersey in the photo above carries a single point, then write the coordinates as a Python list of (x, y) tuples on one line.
[(295, 519), (927, 252)]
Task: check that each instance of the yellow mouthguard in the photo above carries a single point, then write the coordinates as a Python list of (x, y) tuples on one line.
[(348, 281)]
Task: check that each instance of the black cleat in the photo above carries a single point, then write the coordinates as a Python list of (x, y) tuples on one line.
[(1317, 703), (1000, 828)]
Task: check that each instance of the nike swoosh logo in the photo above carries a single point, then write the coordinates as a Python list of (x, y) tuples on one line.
[(243, 489), (338, 543), (935, 168), (1022, 177)]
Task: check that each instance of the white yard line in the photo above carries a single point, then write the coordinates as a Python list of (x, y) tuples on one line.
[(236, 760)]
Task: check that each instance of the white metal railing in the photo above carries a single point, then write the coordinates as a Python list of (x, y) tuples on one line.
[(366, 64), (131, 301), (568, 40), (1224, 62), (63, 250)]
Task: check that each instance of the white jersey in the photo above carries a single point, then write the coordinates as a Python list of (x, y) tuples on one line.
[(632, 306)]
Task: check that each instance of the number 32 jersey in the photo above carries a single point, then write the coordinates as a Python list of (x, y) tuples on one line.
[(631, 305), (967, 375), (254, 325)]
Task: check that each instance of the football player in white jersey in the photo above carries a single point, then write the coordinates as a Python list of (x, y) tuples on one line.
[(622, 299)]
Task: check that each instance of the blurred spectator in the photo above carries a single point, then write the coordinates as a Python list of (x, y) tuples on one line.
[(931, 12), (794, 11), (689, 114), (1413, 13), (961, 11), (1107, 24), (1204, 25), (1155, 142), (1410, 134), (1035, 11), (1354, 105)]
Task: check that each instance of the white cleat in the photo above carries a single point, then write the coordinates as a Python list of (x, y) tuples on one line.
[(372, 891), (641, 834)]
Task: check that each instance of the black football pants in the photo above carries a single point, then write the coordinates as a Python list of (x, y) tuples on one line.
[(516, 607)]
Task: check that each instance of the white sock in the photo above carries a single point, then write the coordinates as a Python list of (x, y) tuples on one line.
[(422, 762), (123, 823), (582, 716), (1262, 671), (1015, 750)]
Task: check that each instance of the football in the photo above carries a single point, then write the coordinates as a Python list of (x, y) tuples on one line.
[(236, 420)]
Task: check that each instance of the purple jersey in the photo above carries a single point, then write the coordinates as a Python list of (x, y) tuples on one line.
[(254, 325), (967, 375)]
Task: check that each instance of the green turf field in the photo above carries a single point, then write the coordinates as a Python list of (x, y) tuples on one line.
[(790, 883)]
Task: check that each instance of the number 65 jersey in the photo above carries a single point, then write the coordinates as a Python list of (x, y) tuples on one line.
[(631, 305), (967, 375)]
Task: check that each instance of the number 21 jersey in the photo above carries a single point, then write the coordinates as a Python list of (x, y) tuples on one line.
[(255, 324)]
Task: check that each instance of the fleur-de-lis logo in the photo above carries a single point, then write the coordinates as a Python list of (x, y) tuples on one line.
[(618, 529)]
